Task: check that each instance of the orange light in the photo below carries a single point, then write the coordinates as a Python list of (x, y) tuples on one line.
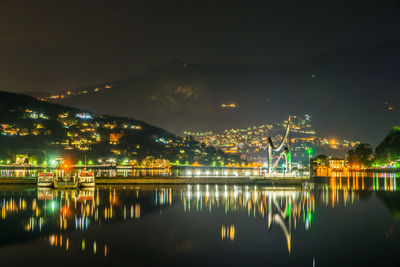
[(65, 211), (66, 165)]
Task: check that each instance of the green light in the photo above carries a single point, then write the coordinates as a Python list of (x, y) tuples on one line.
[(288, 211), (377, 183), (309, 151), (90, 162), (310, 216), (373, 183), (53, 206)]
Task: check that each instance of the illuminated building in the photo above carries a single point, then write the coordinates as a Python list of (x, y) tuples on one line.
[(252, 142), (115, 137), (337, 164), (152, 162), (231, 105), (21, 159)]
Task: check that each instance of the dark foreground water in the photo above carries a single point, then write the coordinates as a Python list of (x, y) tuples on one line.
[(340, 222)]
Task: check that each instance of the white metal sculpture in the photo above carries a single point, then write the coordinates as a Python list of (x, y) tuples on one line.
[(283, 148)]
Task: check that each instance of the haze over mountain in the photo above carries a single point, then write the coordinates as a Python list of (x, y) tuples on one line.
[(351, 93)]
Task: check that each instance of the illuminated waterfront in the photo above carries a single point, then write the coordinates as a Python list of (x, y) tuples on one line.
[(133, 173), (236, 224)]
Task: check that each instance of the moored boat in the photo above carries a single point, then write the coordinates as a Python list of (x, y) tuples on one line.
[(45, 179), (65, 184), (86, 179)]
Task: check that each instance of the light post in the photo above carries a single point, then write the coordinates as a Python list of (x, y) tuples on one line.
[(309, 152)]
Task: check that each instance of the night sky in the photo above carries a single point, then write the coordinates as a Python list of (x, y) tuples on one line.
[(48, 45)]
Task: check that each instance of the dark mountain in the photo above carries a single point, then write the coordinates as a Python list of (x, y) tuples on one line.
[(28, 125), (389, 149), (35, 94), (351, 93)]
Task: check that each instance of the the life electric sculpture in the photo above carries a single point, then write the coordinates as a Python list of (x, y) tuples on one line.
[(283, 150)]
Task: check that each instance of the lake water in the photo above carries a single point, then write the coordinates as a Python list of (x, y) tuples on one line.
[(335, 222)]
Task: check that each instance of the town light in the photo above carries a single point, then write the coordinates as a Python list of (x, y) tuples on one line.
[(65, 166)]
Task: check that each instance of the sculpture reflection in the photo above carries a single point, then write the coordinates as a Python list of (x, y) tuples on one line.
[(54, 215)]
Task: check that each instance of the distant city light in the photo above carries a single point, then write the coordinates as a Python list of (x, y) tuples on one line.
[(84, 116)]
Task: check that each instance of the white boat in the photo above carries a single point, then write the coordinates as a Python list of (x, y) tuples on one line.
[(45, 179), (86, 179), (65, 184)]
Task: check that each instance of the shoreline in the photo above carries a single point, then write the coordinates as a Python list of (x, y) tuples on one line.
[(179, 180), (171, 180)]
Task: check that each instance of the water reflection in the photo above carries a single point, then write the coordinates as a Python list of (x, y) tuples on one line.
[(77, 210), (283, 207), (63, 241), (65, 219)]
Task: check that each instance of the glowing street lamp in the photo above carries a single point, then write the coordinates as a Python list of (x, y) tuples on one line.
[(309, 152)]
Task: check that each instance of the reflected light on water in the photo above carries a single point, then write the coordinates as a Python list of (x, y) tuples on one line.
[(57, 215)]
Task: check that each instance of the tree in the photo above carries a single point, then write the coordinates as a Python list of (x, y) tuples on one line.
[(351, 157), (361, 155), (319, 160)]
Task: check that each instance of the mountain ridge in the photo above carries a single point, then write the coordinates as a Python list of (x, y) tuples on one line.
[(179, 95)]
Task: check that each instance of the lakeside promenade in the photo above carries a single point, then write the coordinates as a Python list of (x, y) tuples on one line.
[(175, 180)]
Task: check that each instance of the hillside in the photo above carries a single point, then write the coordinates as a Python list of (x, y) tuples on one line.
[(30, 126), (356, 86), (389, 149)]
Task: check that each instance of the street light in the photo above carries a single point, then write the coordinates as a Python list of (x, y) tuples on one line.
[(309, 152)]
